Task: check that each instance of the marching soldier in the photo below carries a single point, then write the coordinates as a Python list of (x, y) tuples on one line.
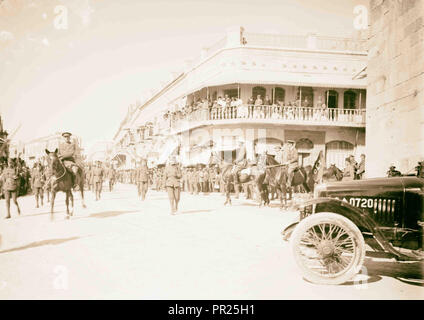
[(97, 178), (143, 179), (172, 176), (111, 176), (37, 182), (10, 186)]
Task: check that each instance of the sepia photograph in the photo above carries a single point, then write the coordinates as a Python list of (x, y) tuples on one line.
[(225, 151)]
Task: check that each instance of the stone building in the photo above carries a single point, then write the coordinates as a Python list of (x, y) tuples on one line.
[(395, 95)]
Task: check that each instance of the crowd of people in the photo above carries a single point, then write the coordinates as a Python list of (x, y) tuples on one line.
[(257, 108)]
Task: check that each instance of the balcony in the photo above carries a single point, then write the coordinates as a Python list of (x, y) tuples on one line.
[(277, 115)]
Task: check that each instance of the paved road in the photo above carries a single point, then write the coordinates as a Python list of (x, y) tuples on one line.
[(122, 248)]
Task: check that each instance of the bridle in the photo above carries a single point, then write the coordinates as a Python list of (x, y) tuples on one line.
[(64, 170)]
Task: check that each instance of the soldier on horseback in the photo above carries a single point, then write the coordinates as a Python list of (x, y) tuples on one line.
[(68, 152), (291, 158), (240, 162)]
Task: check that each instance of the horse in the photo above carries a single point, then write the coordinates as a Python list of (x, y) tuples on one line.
[(227, 176), (62, 180), (276, 176), (320, 173)]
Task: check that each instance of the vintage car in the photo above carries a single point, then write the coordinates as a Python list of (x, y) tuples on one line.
[(344, 218)]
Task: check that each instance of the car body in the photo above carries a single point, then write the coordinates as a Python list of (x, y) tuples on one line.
[(388, 212)]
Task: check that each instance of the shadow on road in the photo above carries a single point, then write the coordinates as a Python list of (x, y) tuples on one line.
[(108, 214), (40, 244), (410, 272)]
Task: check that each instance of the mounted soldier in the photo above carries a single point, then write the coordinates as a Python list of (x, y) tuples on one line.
[(291, 158), (68, 154), (240, 162)]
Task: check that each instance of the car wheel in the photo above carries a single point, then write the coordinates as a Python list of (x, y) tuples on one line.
[(328, 248)]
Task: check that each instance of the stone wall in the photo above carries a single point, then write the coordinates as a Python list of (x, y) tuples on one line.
[(395, 93)]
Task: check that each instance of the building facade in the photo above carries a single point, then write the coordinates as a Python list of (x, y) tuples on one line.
[(301, 88), (395, 72)]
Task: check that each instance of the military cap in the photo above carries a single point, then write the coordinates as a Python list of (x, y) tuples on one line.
[(66, 134)]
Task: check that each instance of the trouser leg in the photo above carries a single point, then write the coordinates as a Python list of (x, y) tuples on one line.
[(15, 200), (7, 200), (177, 193), (171, 197)]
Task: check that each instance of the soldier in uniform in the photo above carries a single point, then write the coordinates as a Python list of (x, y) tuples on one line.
[(68, 152), (9, 180), (37, 182), (47, 181), (292, 160), (172, 176), (360, 168), (348, 172), (97, 174), (111, 176), (239, 164), (143, 179)]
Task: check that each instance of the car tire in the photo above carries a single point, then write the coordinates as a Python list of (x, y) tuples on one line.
[(344, 241)]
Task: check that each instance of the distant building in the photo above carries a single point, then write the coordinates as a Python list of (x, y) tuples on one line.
[(308, 93)]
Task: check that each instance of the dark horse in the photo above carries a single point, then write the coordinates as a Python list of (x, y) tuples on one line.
[(62, 180), (227, 175), (321, 174)]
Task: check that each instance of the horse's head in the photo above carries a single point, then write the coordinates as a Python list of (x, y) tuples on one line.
[(53, 161), (334, 171)]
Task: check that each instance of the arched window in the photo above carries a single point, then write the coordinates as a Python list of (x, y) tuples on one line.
[(279, 95), (331, 99), (349, 99), (258, 91), (307, 95)]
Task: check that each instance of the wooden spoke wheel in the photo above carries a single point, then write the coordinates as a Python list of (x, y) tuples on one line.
[(328, 248)]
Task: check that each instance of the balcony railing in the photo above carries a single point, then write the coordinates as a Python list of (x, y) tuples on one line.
[(272, 114)]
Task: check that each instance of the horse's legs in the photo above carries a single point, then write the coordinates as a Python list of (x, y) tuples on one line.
[(82, 195), (67, 204), (72, 202), (53, 196)]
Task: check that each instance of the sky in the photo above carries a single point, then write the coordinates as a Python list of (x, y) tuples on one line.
[(82, 78)]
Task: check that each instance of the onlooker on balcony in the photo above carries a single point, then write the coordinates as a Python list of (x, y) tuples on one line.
[(258, 101), (267, 101)]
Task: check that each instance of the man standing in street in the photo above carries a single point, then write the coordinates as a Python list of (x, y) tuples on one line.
[(10, 184), (143, 179), (97, 174)]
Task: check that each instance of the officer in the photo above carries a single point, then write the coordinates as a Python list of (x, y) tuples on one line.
[(143, 179), (172, 176), (10, 184), (292, 160), (393, 172), (37, 182), (97, 177), (68, 152)]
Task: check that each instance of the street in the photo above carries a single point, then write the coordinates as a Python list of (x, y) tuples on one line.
[(123, 248)]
